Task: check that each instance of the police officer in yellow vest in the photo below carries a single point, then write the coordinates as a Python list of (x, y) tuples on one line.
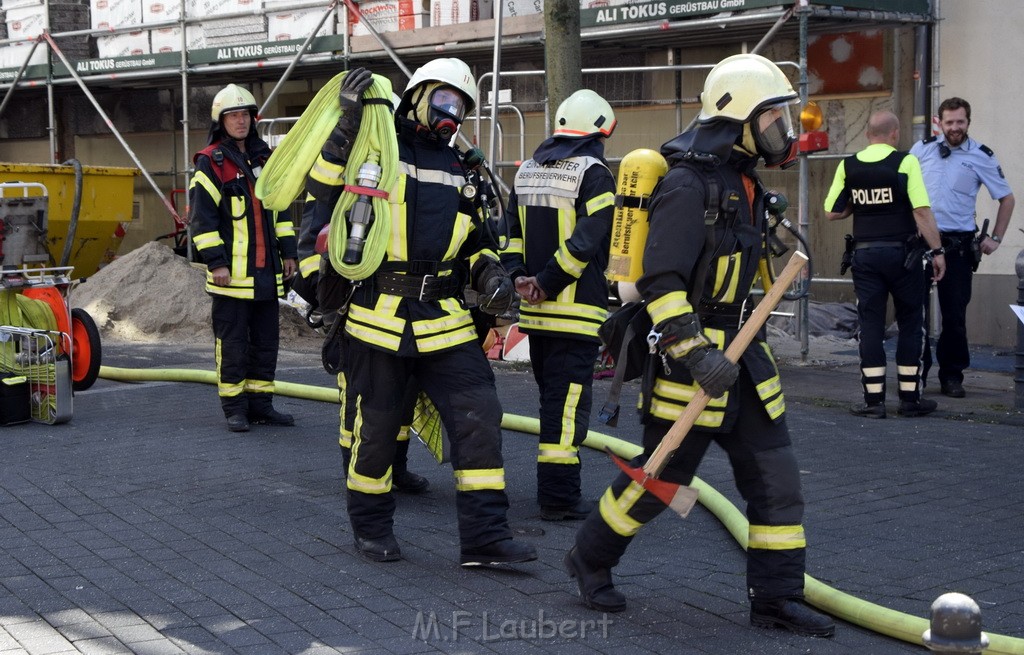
[(409, 320), (696, 280), (249, 252), (560, 216), (883, 189)]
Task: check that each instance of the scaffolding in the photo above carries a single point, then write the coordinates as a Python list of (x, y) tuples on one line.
[(755, 21)]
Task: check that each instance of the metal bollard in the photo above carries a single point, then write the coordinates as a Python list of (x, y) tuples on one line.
[(955, 626), (1018, 367)]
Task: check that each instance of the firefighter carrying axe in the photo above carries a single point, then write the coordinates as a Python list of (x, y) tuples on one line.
[(680, 498)]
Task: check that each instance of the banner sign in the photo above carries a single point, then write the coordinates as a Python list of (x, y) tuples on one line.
[(170, 60), (596, 13)]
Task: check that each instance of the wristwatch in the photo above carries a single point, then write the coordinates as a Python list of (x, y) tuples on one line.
[(996, 238), (935, 252)]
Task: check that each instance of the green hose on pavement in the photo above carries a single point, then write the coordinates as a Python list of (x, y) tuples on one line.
[(840, 605)]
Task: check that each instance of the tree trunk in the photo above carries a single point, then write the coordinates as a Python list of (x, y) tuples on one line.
[(562, 57)]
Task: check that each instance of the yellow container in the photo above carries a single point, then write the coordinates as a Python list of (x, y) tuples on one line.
[(104, 214)]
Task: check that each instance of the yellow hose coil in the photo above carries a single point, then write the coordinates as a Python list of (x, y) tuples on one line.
[(284, 175)]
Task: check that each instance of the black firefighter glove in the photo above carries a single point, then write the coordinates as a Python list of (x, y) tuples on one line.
[(494, 286), (711, 370), (683, 339), (350, 98)]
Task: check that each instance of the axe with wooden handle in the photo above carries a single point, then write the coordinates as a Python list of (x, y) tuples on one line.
[(680, 498)]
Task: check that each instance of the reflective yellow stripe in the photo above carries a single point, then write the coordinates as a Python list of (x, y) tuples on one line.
[(259, 386), (327, 173), (776, 537), (569, 409), (906, 370), (561, 203), (207, 239), (443, 341), (568, 263), (382, 317), (615, 511), (369, 335), (873, 372), (776, 408), (309, 266), (368, 485), (202, 179), (284, 228), (769, 387), (430, 176), (565, 326), (669, 306), (598, 203), (479, 479), (681, 348), (515, 246), (230, 292), (403, 433), (239, 248), (557, 455), (463, 223)]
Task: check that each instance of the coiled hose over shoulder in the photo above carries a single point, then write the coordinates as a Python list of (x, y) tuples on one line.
[(284, 175)]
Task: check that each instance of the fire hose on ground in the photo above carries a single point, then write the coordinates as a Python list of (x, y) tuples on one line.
[(837, 603)]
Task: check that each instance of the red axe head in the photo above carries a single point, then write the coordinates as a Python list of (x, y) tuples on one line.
[(679, 498)]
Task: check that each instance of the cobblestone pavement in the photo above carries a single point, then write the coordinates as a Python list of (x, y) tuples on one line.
[(144, 526)]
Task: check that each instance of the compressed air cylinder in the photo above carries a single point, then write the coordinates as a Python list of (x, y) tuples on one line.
[(639, 173)]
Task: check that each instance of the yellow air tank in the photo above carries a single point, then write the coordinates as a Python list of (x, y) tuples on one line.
[(639, 172)]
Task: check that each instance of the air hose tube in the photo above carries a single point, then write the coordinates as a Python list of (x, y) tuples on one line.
[(837, 603)]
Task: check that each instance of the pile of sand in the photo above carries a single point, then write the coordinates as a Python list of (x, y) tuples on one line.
[(151, 294)]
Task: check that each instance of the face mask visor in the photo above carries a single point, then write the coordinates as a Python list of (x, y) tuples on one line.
[(773, 134), (447, 109)]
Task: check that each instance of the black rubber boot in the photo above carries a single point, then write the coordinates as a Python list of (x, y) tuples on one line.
[(577, 512), (790, 614), (383, 549), (505, 551), (596, 588), (238, 423), (401, 478)]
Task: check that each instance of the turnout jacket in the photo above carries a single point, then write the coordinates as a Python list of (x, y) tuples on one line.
[(231, 228), (435, 231), (675, 248), (560, 216)]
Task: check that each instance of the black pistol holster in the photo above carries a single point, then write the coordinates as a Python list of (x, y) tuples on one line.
[(916, 248), (847, 261)]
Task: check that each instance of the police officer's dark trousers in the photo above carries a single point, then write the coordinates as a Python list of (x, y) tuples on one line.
[(878, 272), (952, 350), (564, 371), (247, 340), (766, 475), (461, 384)]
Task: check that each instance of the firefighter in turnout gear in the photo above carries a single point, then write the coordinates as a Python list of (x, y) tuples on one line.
[(249, 253), (697, 275), (892, 223), (409, 320), (560, 216), (315, 217)]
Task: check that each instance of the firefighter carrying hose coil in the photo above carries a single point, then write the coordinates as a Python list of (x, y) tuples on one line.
[(408, 320)]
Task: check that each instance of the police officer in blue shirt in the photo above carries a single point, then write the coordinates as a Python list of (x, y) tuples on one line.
[(955, 166)]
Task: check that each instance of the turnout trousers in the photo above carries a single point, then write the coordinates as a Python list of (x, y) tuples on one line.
[(877, 274), (247, 335), (767, 477), (564, 371), (461, 384)]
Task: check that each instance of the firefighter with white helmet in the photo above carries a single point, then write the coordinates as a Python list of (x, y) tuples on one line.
[(249, 253), (696, 278), (559, 216), (409, 321)]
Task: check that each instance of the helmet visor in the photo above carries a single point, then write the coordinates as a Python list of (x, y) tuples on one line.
[(449, 101), (773, 130)]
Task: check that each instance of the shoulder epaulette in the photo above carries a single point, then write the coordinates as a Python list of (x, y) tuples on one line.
[(929, 139), (988, 151)]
